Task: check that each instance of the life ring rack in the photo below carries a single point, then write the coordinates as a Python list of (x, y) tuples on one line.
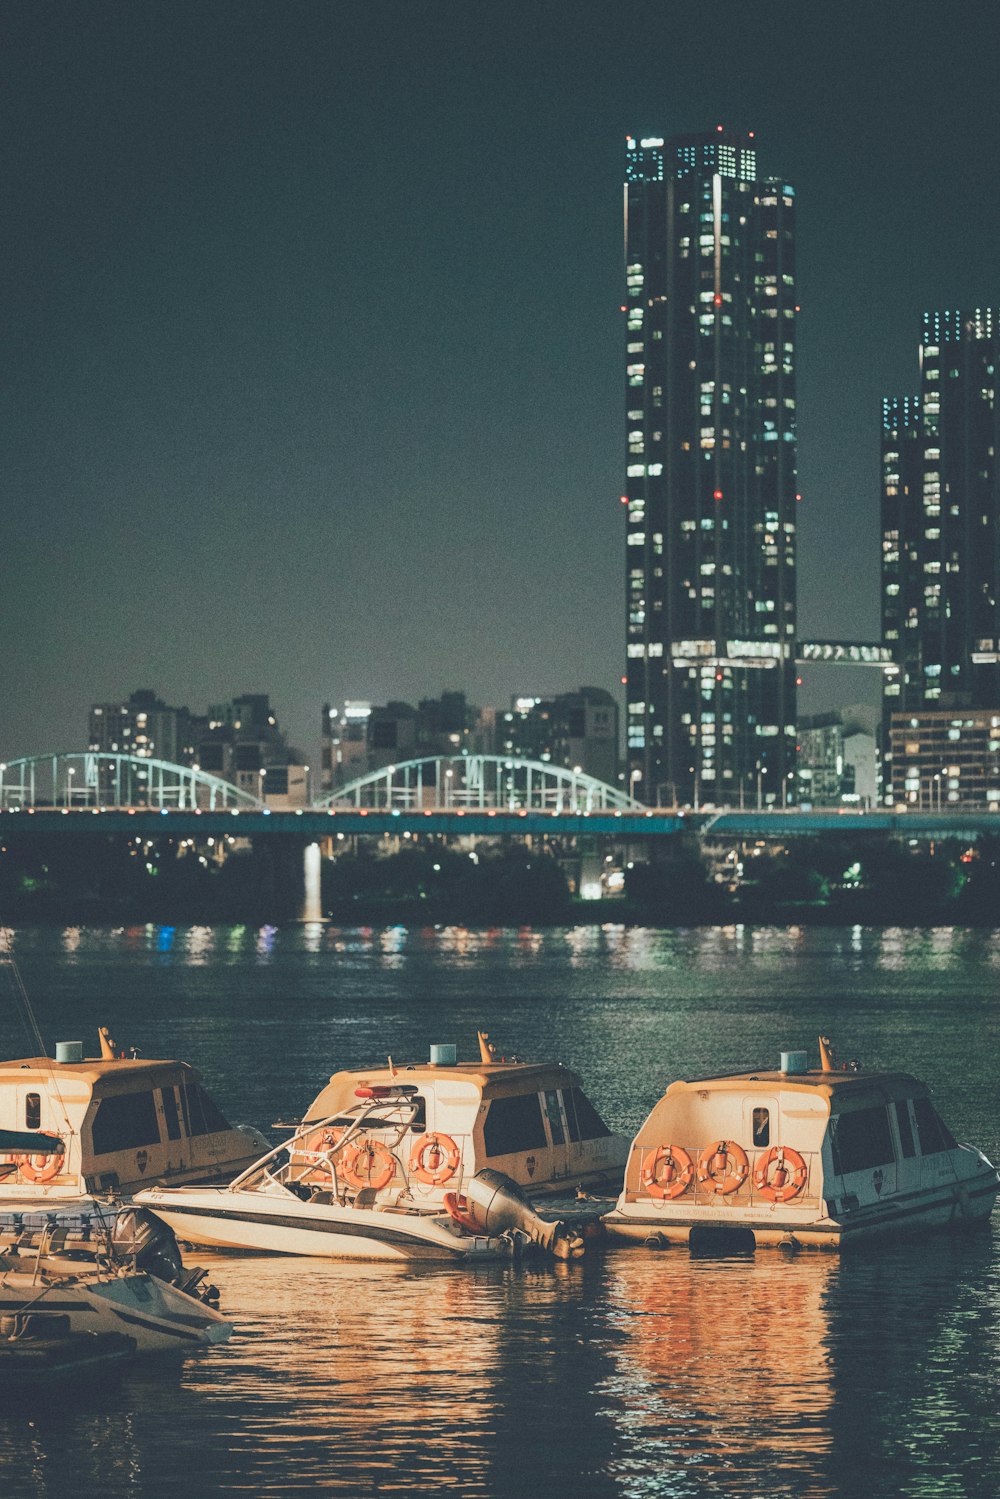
[(674, 1178), (357, 1164), (48, 1168), (434, 1159), (723, 1167), (315, 1151), (787, 1180)]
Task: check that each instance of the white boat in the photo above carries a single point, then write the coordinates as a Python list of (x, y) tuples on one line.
[(417, 1161), (821, 1158), (158, 1317), (114, 1124), (67, 1276)]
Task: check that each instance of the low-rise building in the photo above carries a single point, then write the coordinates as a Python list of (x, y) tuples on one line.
[(837, 761), (574, 729)]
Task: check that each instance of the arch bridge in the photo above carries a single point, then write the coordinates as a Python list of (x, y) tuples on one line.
[(441, 783), (99, 780)]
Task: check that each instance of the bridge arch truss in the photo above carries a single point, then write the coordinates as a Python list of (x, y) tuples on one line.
[(479, 782), (102, 780)]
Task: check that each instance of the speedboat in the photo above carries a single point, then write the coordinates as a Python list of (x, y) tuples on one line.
[(436, 1160), (79, 1291), (822, 1158), (88, 1299), (112, 1125)]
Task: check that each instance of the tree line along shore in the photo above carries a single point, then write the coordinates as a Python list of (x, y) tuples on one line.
[(833, 879)]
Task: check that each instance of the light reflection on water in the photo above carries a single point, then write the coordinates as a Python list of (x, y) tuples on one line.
[(637, 1374), (634, 1374)]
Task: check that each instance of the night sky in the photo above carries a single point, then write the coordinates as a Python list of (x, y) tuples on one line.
[(311, 336)]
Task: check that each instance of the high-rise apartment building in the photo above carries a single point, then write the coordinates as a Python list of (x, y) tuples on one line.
[(940, 568), (941, 531), (711, 472)]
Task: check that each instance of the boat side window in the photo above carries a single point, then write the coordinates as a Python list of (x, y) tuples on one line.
[(205, 1116), (170, 1113), (761, 1127), (572, 1123), (514, 1124), (583, 1117), (905, 1128), (33, 1111), (932, 1132), (861, 1140), (553, 1113), (125, 1121), (420, 1117)]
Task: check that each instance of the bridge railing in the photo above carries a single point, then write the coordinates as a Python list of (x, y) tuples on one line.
[(97, 779), (479, 782)]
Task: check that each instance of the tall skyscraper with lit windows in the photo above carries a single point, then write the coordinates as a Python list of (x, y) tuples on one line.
[(941, 519), (710, 314), (941, 546)]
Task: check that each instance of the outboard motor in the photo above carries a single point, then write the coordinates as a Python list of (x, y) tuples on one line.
[(139, 1236), (496, 1203)]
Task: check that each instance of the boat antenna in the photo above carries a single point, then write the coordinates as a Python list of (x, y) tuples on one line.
[(21, 996)]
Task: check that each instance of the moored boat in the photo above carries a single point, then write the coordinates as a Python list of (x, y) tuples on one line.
[(443, 1159), (80, 1293), (820, 1158), (113, 1124)]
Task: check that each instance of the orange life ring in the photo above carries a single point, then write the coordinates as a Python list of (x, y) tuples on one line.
[(49, 1166), (787, 1181), (368, 1163), (723, 1156), (458, 1208), (676, 1176), (320, 1143), (443, 1160)]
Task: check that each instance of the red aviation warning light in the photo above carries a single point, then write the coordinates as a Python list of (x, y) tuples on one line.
[(717, 494), (718, 299)]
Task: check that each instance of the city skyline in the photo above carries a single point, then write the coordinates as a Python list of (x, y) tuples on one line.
[(296, 399)]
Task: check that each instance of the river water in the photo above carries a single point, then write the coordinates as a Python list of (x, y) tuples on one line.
[(630, 1374)]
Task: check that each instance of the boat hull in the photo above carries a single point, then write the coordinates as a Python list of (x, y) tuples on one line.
[(158, 1317), (955, 1208), (254, 1222)]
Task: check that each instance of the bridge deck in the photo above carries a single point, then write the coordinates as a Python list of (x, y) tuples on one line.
[(660, 823)]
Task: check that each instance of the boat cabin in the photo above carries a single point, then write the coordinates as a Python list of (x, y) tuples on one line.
[(120, 1124), (427, 1127), (799, 1155)]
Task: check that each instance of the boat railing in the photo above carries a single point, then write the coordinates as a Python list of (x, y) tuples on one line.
[(371, 1153), (671, 1187)]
